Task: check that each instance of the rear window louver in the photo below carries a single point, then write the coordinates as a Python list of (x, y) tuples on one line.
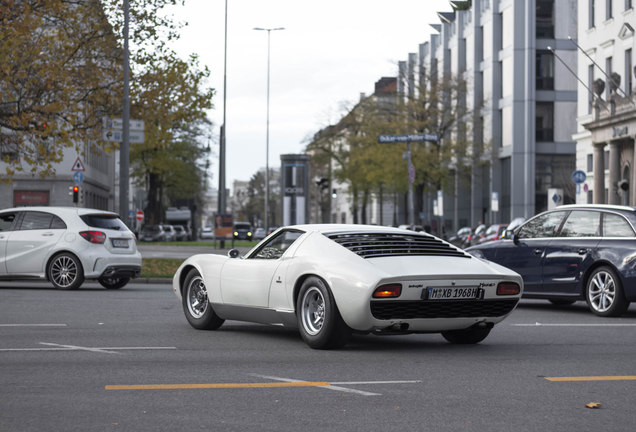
[(374, 245)]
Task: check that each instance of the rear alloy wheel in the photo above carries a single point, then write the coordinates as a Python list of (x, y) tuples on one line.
[(196, 305), (471, 335), (65, 271), (604, 293), (113, 282), (319, 321)]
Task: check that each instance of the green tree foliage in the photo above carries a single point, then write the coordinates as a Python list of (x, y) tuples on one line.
[(367, 167), (59, 75)]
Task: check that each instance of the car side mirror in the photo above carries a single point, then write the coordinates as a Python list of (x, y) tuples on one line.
[(514, 237), (233, 253)]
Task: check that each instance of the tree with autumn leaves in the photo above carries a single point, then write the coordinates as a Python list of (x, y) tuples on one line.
[(367, 167), (61, 73)]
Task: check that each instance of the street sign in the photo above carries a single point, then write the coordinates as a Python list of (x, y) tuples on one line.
[(140, 215), (78, 165), (116, 135), (578, 177), (118, 123), (382, 139), (494, 202), (78, 177)]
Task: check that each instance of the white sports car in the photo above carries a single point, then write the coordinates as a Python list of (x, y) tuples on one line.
[(331, 280)]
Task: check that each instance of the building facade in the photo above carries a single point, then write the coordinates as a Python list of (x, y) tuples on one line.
[(606, 102), (523, 102)]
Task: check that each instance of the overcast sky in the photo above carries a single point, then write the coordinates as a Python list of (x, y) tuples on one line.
[(330, 52)]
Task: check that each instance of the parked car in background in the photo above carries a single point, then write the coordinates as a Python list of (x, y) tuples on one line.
[(337, 279), (493, 233), (67, 245), (152, 233), (259, 234), (171, 233), (462, 238), (574, 252), (478, 234), (207, 233), (242, 231), (182, 234)]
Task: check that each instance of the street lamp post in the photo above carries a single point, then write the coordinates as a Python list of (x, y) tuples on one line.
[(268, 30)]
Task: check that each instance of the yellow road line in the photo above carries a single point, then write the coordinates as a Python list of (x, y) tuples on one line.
[(593, 378), (216, 386)]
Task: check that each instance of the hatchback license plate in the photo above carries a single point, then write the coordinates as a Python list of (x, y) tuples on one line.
[(453, 293), (120, 243)]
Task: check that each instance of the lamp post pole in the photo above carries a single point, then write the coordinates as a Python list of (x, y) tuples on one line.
[(269, 31)]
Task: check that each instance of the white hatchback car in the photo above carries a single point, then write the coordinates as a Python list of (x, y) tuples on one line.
[(67, 245)]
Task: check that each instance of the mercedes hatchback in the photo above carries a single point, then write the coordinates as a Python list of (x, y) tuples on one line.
[(67, 245), (574, 252)]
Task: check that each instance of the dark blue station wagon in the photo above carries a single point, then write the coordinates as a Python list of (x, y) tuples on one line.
[(572, 253)]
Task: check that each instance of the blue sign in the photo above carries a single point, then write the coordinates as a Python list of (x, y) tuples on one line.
[(578, 177), (78, 176), (382, 139)]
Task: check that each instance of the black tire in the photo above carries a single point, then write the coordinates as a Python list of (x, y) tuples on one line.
[(196, 305), (562, 302), (604, 293), (113, 282), (65, 271), (319, 320), (471, 335)]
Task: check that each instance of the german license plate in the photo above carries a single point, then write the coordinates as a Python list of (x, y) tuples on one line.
[(118, 243), (452, 293)]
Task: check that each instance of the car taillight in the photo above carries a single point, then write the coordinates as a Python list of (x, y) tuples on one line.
[(508, 288), (97, 237), (388, 291)]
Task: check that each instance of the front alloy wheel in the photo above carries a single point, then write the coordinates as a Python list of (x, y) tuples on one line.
[(604, 293), (196, 305), (65, 271)]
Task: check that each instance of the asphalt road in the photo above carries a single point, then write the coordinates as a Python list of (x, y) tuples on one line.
[(68, 360)]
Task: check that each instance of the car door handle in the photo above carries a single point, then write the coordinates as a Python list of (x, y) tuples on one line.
[(47, 234), (537, 251)]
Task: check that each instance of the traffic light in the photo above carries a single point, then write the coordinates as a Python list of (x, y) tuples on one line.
[(76, 191)]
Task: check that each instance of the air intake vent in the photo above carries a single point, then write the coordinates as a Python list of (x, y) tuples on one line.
[(374, 245)]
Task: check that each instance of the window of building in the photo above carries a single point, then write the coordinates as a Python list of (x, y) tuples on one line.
[(628, 72), (545, 19), (608, 9), (545, 70), (628, 4), (590, 14), (590, 162), (544, 113)]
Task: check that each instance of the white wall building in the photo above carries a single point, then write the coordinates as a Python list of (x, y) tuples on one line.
[(606, 112)]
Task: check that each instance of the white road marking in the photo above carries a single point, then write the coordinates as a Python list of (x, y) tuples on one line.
[(106, 350), (538, 324), (33, 325), (336, 385)]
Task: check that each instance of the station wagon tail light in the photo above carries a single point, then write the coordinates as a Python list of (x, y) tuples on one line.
[(97, 237), (508, 288), (388, 291)]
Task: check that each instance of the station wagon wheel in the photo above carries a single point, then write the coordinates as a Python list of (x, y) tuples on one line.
[(604, 293), (320, 323), (65, 271), (196, 304), (113, 282)]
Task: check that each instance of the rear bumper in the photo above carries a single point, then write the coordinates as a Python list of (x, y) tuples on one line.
[(124, 271)]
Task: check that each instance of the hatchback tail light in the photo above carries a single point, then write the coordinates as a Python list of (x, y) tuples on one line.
[(388, 291), (97, 237), (508, 288)]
